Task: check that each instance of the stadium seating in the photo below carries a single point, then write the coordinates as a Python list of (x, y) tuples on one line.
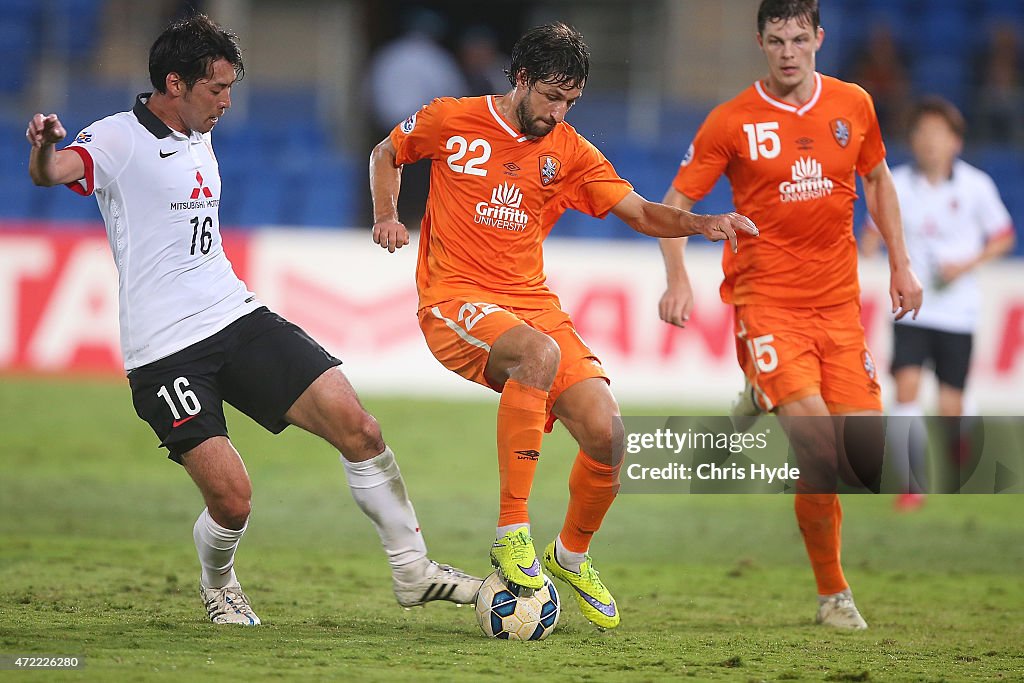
[(277, 172)]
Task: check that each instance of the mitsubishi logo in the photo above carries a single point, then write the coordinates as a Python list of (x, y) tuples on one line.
[(201, 188)]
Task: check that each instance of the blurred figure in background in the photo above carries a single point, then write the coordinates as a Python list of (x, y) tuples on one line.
[(882, 69), (954, 221), (999, 108), (405, 74), (483, 64)]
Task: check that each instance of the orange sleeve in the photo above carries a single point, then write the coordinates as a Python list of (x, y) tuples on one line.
[(707, 157), (594, 186), (872, 150), (418, 137)]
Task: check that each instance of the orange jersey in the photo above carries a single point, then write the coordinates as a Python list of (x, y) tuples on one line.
[(793, 172), (494, 197)]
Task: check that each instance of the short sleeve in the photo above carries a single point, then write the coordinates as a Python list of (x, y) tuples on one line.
[(991, 213), (593, 186), (707, 157), (872, 149), (105, 148), (418, 137)]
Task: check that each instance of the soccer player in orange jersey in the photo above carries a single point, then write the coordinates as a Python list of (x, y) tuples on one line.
[(505, 168), (791, 146)]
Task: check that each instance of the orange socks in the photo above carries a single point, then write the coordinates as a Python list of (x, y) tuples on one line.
[(522, 412), (592, 488), (820, 518)]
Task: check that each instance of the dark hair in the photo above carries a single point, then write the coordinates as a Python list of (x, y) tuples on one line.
[(189, 47), (782, 10), (938, 106), (552, 53)]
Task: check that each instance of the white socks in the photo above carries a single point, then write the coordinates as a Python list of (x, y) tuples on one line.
[(216, 548), (502, 530), (377, 487), (907, 439), (568, 558)]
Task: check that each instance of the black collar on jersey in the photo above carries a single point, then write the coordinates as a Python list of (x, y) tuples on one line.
[(148, 119)]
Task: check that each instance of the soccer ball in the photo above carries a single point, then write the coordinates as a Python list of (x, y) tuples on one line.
[(510, 612)]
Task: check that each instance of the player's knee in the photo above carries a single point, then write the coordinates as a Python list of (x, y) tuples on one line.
[(541, 358), (231, 511), (363, 438), (602, 440)]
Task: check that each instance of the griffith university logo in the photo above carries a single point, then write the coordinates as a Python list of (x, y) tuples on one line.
[(503, 211), (808, 182)]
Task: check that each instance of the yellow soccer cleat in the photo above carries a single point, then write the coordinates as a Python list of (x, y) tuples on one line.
[(596, 602), (516, 559)]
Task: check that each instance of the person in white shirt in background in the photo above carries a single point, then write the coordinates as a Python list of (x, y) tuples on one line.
[(954, 221)]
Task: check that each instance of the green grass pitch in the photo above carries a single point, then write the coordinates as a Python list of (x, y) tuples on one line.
[(96, 559)]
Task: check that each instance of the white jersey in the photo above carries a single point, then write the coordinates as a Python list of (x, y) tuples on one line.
[(948, 223), (159, 192)]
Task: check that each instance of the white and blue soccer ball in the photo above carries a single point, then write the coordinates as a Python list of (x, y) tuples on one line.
[(510, 612)]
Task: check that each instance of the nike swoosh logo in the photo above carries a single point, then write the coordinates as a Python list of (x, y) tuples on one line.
[(164, 155), (607, 610), (532, 570), (178, 423)]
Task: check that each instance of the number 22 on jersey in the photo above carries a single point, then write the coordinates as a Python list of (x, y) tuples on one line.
[(479, 151)]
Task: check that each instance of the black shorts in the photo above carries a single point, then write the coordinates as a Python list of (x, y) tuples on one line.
[(260, 364), (949, 353)]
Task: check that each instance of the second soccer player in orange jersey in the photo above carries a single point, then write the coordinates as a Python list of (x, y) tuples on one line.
[(504, 169), (791, 146)]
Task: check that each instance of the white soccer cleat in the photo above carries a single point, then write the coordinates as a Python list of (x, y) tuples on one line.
[(437, 582), (838, 611), (744, 410), (228, 605)]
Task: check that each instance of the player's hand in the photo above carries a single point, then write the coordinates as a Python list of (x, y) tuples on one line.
[(905, 292), (725, 226), (951, 271), (676, 304), (390, 235), (45, 130)]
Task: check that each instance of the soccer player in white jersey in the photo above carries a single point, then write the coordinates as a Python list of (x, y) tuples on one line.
[(954, 221), (193, 336)]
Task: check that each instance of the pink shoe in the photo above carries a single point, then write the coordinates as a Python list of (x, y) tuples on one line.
[(908, 502)]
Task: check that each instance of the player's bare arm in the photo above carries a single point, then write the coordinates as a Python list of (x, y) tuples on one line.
[(995, 248), (883, 205), (46, 165), (660, 220), (385, 184), (676, 302)]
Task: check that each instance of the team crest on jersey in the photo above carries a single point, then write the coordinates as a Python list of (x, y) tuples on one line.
[(688, 157), (409, 124), (869, 364), (83, 137), (549, 167), (840, 131)]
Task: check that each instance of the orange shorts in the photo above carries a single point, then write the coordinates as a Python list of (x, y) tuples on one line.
[(790, 353), (459, 333)]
